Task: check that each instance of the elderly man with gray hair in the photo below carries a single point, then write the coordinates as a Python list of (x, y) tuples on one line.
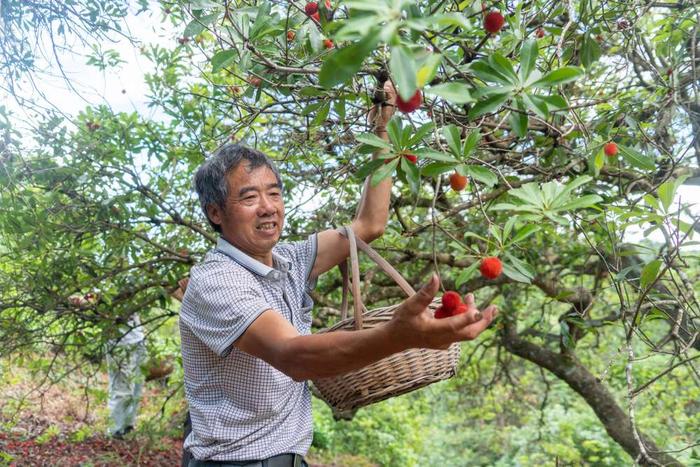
[(245, 321)]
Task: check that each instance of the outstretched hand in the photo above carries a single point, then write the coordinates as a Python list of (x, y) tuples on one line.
[(378, 120), (414, 326)]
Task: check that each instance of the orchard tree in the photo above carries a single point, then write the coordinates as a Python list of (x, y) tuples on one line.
[(532, 139)]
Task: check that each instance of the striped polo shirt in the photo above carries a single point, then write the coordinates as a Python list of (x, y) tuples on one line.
[(241, 407)]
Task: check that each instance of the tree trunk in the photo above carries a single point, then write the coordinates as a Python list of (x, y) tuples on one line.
[(567, 368)]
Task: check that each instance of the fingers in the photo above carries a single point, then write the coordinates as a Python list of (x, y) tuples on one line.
[(469, 300), (420, 301), (472, 331)]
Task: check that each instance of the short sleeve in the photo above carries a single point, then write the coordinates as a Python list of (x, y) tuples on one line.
[(219, 306)]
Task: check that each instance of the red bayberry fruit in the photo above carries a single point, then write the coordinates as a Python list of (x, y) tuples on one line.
[(458, 182), (450, 300), (327, 43), (389, 159), (311, 8), (255, 81), (461, 308), (410, 105), (412, 158), (610, 149), (493, 22), (441, 313), (291, 35), (491, 267), (316, 16), (539, 33)]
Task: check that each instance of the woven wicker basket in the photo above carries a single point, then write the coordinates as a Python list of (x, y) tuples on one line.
[(394, 375)]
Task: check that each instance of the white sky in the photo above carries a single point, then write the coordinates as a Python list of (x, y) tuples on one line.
[(96, 87)]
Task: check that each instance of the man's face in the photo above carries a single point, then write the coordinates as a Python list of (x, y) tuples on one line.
[(253, 216)]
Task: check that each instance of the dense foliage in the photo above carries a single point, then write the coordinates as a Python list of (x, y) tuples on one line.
[(592, 322)]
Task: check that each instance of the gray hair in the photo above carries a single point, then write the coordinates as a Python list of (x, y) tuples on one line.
[(210, 179)]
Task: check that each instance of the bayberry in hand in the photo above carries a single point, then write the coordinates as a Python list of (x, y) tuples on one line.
[(410, 105), (610, 149), (440, 313), (458, 182), (493, 22), (450, 300), (461, 308), (491, 267)]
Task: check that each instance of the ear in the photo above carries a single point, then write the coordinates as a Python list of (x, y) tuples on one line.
[(215, 213)]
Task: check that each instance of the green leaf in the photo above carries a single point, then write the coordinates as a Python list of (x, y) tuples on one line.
[(403, 70), (321, 116), (525, 232), (373, 140), (486, 73), (666, 192), (512, 273), (421, 133), (222, 59), (454, 92), (519, 119), (368, 168), (411, 171), (466, 274), (437, 156), (580, 202), (428, 69), (471, 142), (559, 76), (395, 131), (197, 25), (528, 58), (503, 67), (452, 136), (521, 266), (649, 273), (636, 159), (482, 174), (490, 104), (536, 104), (384, 171), (343, 63), (554, 102), (437, 168), (590, 50)]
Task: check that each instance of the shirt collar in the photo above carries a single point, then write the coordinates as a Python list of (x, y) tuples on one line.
[(252, 264)]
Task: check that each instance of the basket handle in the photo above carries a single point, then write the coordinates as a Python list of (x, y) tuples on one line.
[(355, 270)]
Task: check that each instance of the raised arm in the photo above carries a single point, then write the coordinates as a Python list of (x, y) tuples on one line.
[(373, 209)]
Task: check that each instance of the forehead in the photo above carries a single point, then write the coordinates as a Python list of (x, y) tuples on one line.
[(245, 177)]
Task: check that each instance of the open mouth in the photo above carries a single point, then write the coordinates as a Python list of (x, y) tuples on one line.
[(267, 226)]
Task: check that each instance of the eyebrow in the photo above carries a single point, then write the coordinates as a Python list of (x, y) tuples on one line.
[(246, 189)]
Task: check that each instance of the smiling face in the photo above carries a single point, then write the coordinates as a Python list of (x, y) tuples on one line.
[(253, 216)]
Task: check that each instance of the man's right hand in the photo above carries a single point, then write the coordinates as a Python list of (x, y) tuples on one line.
[(413, 324)]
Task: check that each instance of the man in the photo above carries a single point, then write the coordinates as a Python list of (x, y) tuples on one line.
[(245, 320), (125, 355)]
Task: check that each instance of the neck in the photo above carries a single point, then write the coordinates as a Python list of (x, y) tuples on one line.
[(265, 258)]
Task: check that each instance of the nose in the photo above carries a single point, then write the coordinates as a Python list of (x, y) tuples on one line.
[(266, 206)]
